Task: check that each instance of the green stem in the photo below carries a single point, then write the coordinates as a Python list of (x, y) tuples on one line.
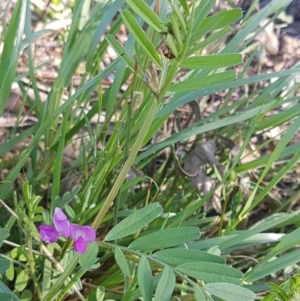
[(126, 153), (31, 267), (122, 175), (71, 283), (51, 295), (172, 71)]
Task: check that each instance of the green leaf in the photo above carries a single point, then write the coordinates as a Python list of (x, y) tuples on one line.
[(6, 296), (26, 295), (122, 262), (178, 14), (165, 285), (201, 13), (37, 218), (221, 19), (178, 256), (4, 265), (222, 33), (199, 295), (175, 25), (230, 292), (121, 51), (134, 222), (212, 61), (203, 82), (166, 238), (279, 291), (211, 272), (97, 294), (3, 235), (146, 13), (87, 259), (6, 293), (145, 279), (141, 37), (10, 272), (22, 280)]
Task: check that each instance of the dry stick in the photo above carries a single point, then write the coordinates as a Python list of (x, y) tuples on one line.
[(46, 251)]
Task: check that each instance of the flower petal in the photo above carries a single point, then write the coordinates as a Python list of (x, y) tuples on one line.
[(48, 233), (80, 245), (89, 233), (75, 231), (61, 223), (86, 232)]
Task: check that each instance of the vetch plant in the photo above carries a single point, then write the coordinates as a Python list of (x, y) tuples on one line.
[(82, 235), (157, 244)]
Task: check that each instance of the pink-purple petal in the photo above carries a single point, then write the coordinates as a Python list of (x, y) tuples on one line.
[(61, 223), (48, 233), (82, 235), (86, 232), (89, 233), (80, 245), (75, 231)]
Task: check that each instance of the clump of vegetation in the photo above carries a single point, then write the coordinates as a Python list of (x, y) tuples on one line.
[(141, 180)]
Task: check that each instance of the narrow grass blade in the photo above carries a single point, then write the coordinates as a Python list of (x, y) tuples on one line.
[(254, 22), (121, 51), (273, 266), (274, 156), (184, 98), (11, 49), (196, 129), (111, 10), (268, 223)]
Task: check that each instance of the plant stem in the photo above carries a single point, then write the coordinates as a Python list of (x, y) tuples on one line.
[(31, 267), (122, 175)]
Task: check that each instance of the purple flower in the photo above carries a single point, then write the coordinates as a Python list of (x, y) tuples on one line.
[(48, 233), (82, 235), (61, 223)]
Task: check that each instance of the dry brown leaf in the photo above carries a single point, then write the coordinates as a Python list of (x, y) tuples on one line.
[(203, 153)]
